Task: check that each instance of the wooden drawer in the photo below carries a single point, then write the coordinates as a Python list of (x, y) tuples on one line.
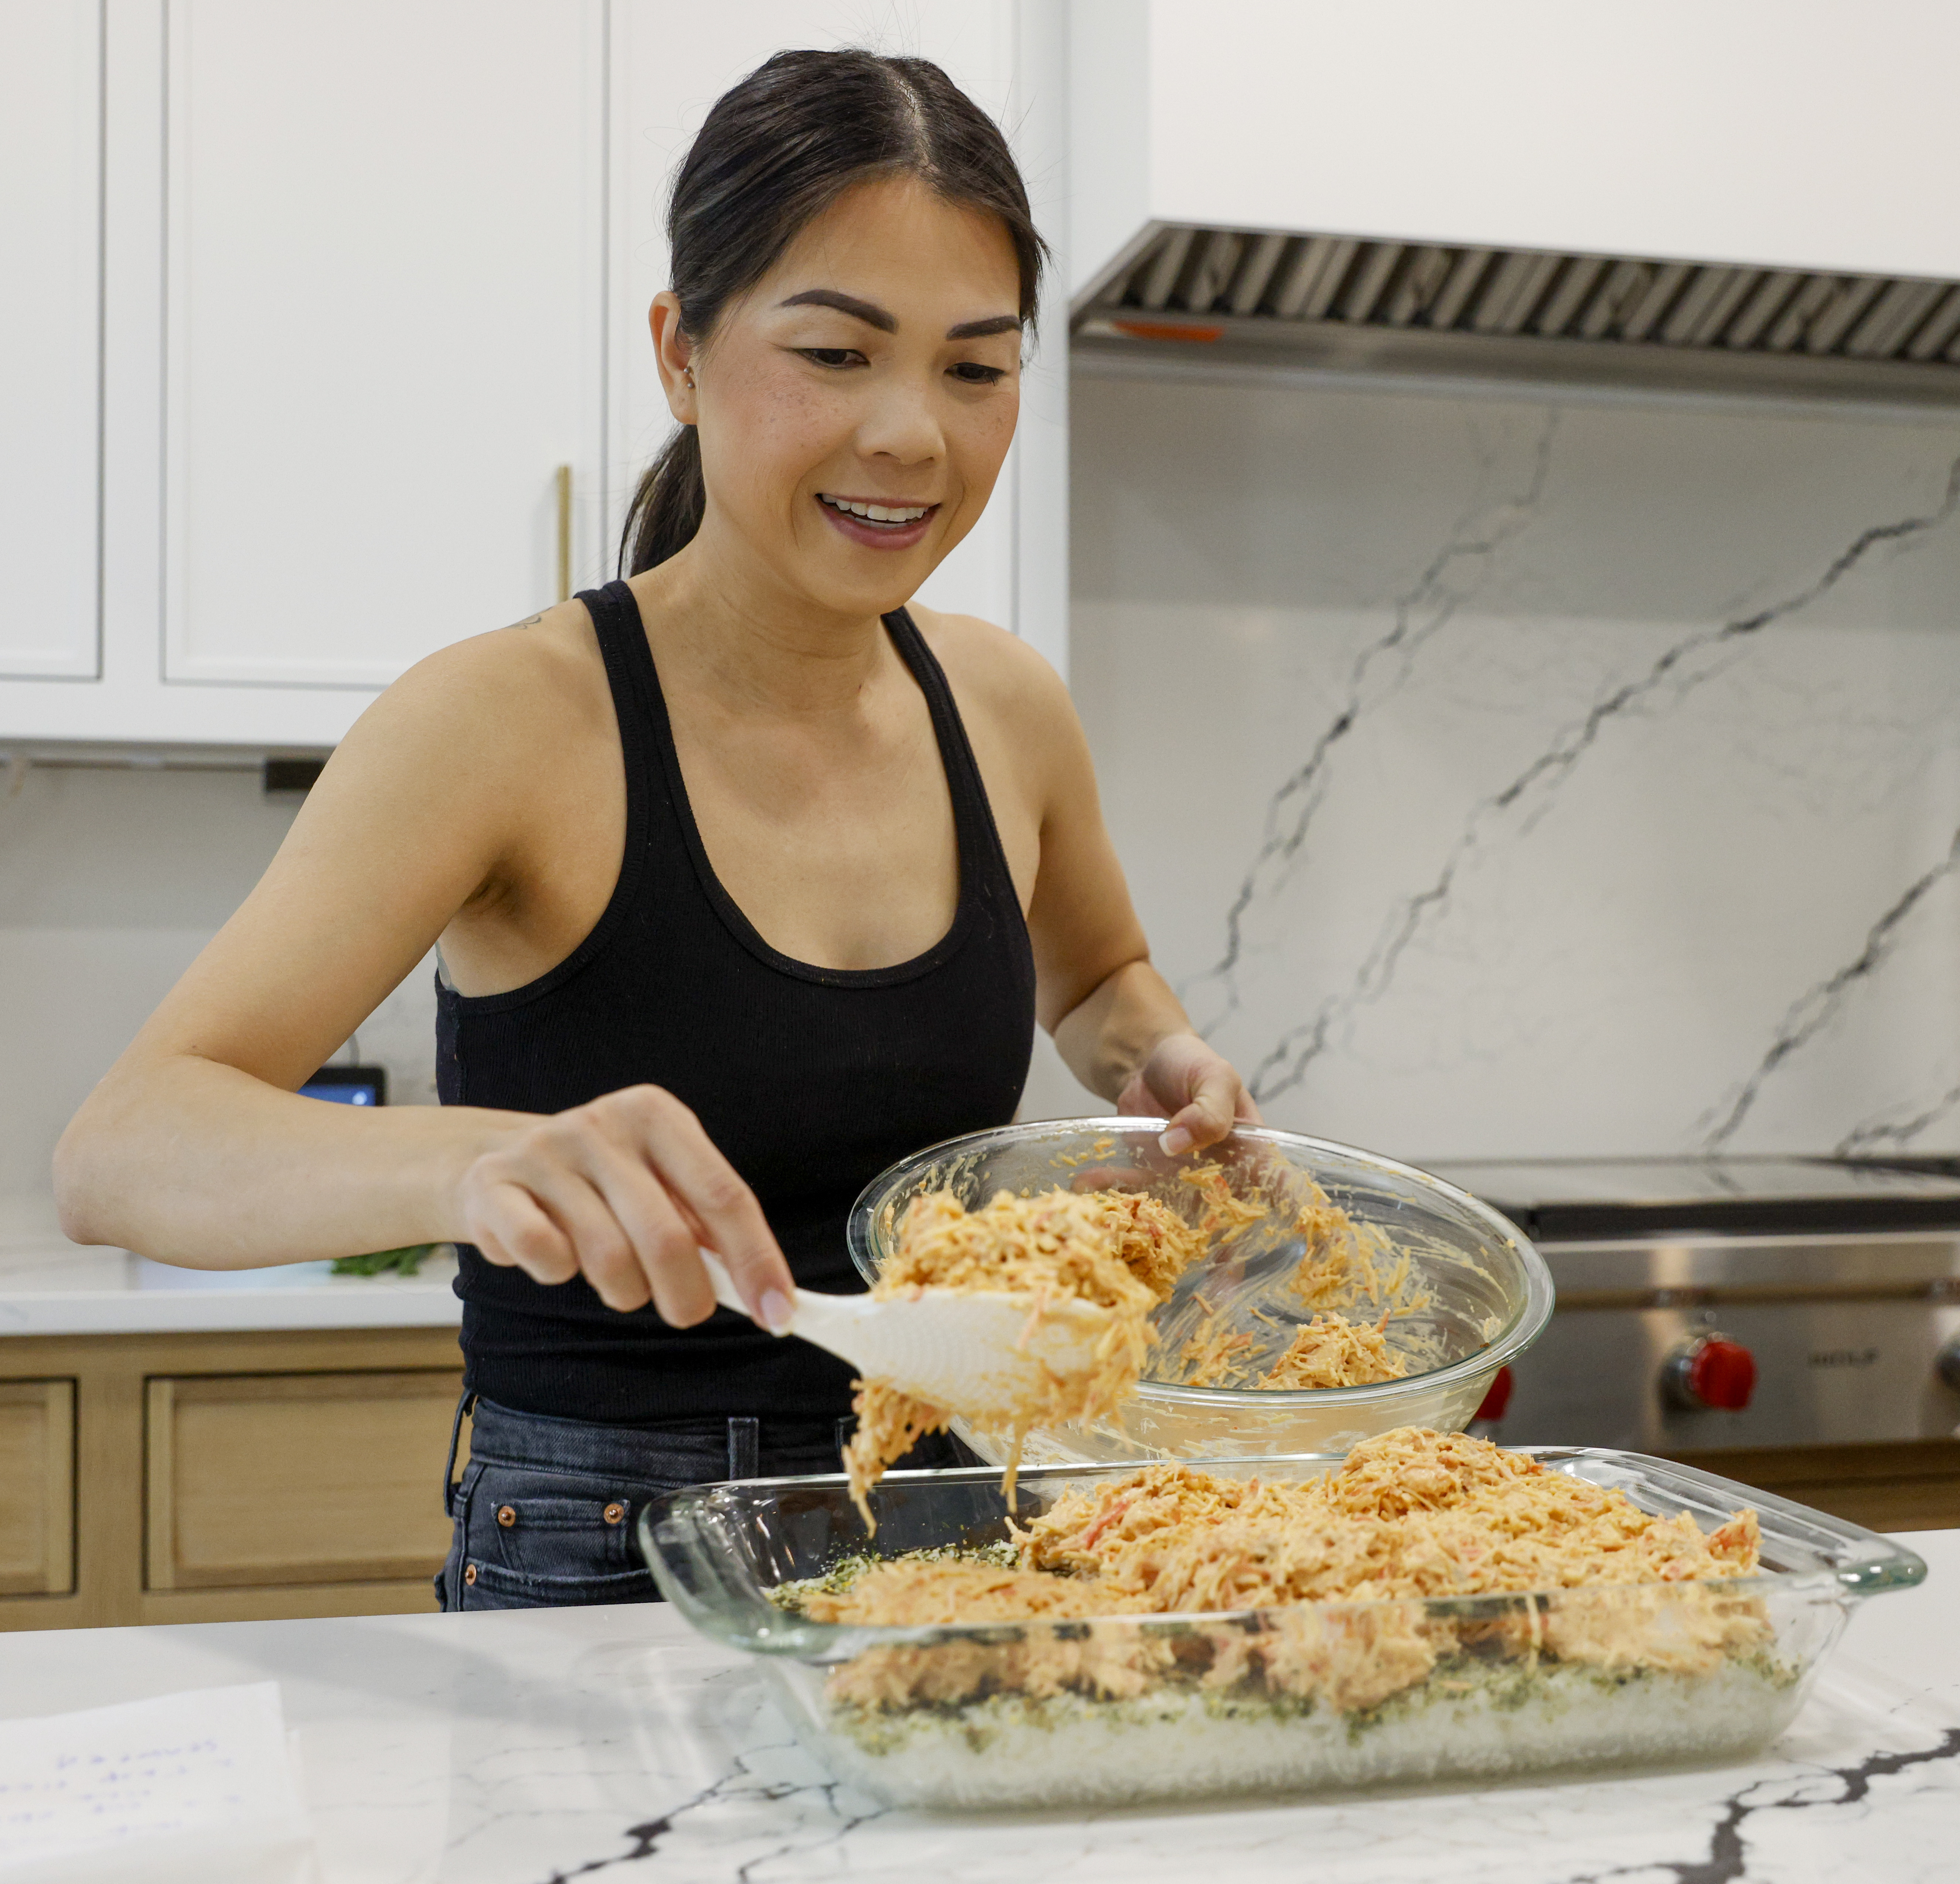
[(267, 1480), (36, 1488), (1895, 1485)]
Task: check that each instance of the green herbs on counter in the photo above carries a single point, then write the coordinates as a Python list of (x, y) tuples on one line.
[(407, 1260)]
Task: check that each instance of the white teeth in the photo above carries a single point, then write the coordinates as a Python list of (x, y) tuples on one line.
[(876, 512)]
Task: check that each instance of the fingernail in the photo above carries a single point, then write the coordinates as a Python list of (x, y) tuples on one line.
[(1175, 1140), (776, 1312)]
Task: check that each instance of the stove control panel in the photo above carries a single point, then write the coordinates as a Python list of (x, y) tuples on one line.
[(1708, 1371), (1694, 1343)]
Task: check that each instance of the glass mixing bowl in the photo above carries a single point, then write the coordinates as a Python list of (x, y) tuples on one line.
[(1489, 1294)]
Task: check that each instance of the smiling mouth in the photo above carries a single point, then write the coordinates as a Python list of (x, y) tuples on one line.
[(888, 517)]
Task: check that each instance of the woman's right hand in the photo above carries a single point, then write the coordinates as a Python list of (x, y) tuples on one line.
[(622, 1191)]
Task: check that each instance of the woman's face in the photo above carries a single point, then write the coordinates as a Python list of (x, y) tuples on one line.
[(876, 366)]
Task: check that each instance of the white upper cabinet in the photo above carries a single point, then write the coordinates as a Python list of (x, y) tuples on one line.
[(383, 328), (312, 302), (1796, 134), (50, 300)]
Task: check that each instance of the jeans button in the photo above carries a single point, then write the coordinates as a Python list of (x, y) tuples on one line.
[(507, 1515), (615, 1514), (470, 1574)]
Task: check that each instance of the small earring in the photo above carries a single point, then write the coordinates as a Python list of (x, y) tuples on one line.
[(688, 371)]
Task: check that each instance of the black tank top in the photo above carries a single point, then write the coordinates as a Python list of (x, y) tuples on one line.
[(811, 1081)]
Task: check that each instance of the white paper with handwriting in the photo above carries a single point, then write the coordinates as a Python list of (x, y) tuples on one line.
[(199, 1785)]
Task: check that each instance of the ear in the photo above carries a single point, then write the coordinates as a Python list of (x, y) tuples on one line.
[(672, 352)]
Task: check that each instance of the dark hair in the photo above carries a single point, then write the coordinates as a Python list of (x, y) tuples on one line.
[(775, 152)]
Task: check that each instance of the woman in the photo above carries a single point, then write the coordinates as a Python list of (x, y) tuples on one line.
[(746, 880)]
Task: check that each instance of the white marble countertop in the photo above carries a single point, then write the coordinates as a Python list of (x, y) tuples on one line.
[(50, 1286), (535, 1747)]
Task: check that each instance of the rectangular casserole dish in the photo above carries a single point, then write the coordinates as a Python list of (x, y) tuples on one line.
[(1122, 1709)]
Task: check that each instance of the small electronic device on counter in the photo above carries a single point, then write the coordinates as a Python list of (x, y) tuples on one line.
[(348, 1085)]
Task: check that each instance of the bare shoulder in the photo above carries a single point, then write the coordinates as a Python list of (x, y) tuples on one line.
[(474, 740), (535, 671), (996, 671), (499, 695)]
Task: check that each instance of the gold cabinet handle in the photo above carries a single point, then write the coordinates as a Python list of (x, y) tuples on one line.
[(564, 533)]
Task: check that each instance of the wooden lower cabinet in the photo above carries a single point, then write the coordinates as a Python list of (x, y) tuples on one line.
[(266, 1479), (36, 1488), (222, 1477), (1895, 1485)]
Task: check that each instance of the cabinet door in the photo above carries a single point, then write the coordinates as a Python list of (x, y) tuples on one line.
[(50, 335), (259, 1480), (384, 327), (37, 1486), (669, 64)]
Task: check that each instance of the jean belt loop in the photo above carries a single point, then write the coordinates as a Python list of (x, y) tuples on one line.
[(465, 1403), (745, 1437)]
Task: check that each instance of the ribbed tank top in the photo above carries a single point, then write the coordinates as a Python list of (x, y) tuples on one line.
[(811, 1081)]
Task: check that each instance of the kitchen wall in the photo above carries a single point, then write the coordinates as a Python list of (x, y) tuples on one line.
[(1516, 775), (1494, 775), (110, 882)]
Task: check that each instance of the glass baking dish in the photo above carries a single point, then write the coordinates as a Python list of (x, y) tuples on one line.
[(1120, 1709), (1489, 1295)]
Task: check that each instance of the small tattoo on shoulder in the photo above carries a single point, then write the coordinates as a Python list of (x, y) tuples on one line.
[(530, 621)]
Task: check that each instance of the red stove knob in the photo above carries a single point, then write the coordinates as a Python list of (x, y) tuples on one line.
[(1492, 1406), (1710, 1371)]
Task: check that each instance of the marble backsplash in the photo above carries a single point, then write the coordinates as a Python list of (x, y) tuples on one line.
[(1502, 776)]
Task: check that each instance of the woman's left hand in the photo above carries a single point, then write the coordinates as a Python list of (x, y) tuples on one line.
[(1199, 1091)]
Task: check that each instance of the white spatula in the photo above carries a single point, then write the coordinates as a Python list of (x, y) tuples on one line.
[(955, 1350)]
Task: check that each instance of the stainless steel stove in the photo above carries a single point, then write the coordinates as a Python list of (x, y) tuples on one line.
[(1737, 1303)]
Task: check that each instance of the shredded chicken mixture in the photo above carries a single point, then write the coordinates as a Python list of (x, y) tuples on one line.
[(1332, 1351), (1121, 1250), (1219, 1356), (1410, 1515), (1126, 1250), (1117, 1248), (1347, 1266)]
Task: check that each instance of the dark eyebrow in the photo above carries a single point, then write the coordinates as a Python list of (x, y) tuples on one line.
[(874, 315), (979, 329), (868, 312)]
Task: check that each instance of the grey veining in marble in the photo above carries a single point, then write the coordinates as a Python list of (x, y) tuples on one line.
[(1512, 811), (1498, 777), (1446, 585), (1815, 1010)]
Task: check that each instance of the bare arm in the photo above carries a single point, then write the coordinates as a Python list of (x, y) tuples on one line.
[(196, 1150)]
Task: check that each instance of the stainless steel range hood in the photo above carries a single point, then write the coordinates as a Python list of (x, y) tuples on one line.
[(1182, 293)]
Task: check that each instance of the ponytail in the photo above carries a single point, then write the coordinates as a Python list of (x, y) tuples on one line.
[(775, 152), (668, 507)]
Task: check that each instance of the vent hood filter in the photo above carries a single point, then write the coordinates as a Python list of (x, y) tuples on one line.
[(1340, 302)]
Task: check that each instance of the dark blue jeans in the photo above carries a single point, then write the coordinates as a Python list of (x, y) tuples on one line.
[(545, 1511)]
